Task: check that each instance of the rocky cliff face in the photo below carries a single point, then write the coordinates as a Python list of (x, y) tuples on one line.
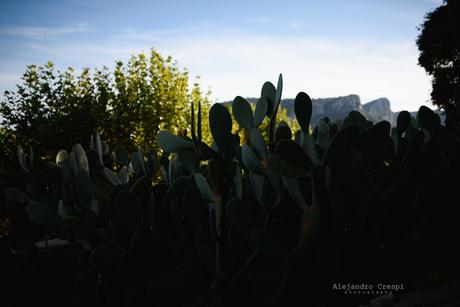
[(334, 108), (379, 109), (339, 107)]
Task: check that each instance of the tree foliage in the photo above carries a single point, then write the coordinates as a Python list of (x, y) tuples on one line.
[(127, 106), (439, 45)]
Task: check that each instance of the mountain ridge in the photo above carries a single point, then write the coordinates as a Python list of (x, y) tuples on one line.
[(338, 108)]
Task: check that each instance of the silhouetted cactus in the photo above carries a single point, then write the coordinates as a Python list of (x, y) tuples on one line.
[(318, 204), (242, 113)]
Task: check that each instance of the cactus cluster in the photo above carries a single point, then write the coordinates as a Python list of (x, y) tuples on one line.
[(270, 221)]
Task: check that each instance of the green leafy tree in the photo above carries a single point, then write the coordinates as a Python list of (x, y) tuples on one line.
[(51, 107), (439, 45), (151, 93), (127, 106), (7, 154)]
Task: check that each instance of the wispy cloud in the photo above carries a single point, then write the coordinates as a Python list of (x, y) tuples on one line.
[(435, 2), (236, 62), (257, 19), (37, 32), (295, 25), (240, 64)]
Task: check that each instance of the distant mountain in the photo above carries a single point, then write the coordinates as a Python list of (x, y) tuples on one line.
[(379, 109), (339, 107)]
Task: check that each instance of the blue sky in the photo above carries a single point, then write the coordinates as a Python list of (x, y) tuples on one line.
[(326, 48)]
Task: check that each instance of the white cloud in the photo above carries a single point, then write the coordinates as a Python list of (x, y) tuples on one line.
[(238, 63), (37, 32)]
